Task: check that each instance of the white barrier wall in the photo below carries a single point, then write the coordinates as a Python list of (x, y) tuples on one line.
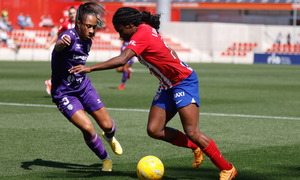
[(209, 40), (45, 55), (206, 40)]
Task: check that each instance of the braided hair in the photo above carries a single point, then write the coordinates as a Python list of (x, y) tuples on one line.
[(90, 8), (128, 15)]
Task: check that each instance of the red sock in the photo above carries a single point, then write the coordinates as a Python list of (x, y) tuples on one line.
[(182, 141), (216, 157)]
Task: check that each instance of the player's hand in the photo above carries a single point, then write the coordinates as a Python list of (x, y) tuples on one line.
[(62, 43), (80, 68), (66, 40)]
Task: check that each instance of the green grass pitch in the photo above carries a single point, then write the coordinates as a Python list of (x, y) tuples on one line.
[(251, 111)]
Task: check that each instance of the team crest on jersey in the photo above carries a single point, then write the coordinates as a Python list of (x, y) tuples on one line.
[(70, 107)]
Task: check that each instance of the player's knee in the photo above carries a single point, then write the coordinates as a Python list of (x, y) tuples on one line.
[(192, 134), (107, 126), (153, 133), (87, 129)]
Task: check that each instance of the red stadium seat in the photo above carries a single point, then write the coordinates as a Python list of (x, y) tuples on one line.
[(239, 49)]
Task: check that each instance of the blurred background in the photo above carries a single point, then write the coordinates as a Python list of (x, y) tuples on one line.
[(221, 31)]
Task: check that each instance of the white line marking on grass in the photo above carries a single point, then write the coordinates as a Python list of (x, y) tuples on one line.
[(144, 110), (250, 116), (31, 105), (124, 109), (140, 70)]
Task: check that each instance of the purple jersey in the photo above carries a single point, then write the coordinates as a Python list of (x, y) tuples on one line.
[(124, 45), (77, 53)]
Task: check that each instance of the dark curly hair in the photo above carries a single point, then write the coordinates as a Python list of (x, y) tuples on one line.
[(128, 15)]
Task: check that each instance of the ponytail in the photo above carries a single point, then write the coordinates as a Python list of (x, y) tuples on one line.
[(90, 8), (152, 20)]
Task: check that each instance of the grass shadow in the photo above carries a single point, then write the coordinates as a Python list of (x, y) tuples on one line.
[(75, 170)]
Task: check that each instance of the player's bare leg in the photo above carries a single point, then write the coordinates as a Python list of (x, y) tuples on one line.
[(156, 128), (108, 126), (189, 116), (158, 118), (83, 122)]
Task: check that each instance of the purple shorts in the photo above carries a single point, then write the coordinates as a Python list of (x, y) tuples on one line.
[(89, 101)]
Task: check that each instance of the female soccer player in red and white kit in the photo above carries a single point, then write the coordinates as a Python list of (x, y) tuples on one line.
[(178, 90)]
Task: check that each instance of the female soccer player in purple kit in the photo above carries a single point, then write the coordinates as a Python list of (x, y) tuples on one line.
[(73, 93), (126, 69), (178, 90)]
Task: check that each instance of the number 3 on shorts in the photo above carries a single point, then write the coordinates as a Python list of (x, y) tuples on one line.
[(66, 101)]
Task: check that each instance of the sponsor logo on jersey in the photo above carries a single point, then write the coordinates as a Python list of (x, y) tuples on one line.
[(132, 42), (177, 102), (78, 46), (80, 58), (71, 78), (179, 94)]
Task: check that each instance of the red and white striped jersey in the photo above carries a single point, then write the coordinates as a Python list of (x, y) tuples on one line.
[(154, 53), (65, 26)]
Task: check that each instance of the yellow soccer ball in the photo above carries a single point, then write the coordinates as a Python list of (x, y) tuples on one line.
[(151, 168)]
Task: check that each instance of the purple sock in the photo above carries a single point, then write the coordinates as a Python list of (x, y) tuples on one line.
[(113, 131), (125, 76), (95, 144)]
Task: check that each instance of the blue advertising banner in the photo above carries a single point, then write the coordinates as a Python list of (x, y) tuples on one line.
[(275, 58)]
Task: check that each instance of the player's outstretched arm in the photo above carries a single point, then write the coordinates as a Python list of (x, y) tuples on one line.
[(114, 62)]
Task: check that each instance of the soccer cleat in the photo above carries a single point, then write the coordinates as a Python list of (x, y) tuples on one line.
[(121, 87), (114, 144), (107, 165), (48, 86), (198, 157), (228, 174)]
